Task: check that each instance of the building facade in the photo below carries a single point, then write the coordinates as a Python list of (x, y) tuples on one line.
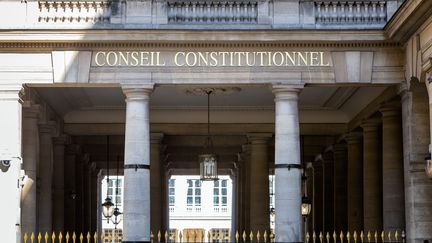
[(337, 91)]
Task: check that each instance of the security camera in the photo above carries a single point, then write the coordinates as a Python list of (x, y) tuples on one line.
[(4, 165)]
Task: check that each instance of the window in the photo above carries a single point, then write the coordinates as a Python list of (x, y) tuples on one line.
[(220, 235), (220, 194), (193, 193), (114, 235), (116, 196), (171, 192)]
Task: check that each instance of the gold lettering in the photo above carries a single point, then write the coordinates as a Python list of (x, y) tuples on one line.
[(158, 60), (314, 61), (194, 59), (224, 57), (97, 58), (300, 57), (108, 58), (281, 58), (203, 58), (134, 56), (176, 59), (289, 57), (213, 59), (322, 60), (144, 58), (124, 58)]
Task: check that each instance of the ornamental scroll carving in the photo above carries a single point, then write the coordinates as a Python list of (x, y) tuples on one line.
[(74, 11)]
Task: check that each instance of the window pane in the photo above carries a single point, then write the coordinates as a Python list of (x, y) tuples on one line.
[(110, 183), (216, 183), (216, 191), (224, 191), (197, 200), (224, 183), (189, 201), (171, 200), (189, 192), (189, 182), (216, 201), (171, 191), (224, 200), (172, 182), (198, 191), (110, 191), (197, 183)]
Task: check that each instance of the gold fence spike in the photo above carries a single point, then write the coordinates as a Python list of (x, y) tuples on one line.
[(46, 237), (237, 236), (348, 237), (74, 237), (88, 237), (265, 236), (67, 237), (209, 236), (389, 236), (159, 236), (229, 235), (328, 237), (258, 236), (251, 236), (166, 236), (355, 236), (369, 236), (109, 236), (32, 237), (25, 237), (341, 237), (181, 236), (244, 236), (382, 236), (313, 236), (151, 237), (39, 237), (53, 237), (95, 237), (81, 238), (216, 236), (321, 237), (376, 236), (223, 236), (103, 236), (307, 237), (396, 236), (361, 236), (334, 236)]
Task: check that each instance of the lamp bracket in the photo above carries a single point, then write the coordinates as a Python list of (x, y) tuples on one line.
[(288, 166), (137, 166)]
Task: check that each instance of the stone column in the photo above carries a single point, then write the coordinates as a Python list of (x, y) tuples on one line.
[(340, 187), (10, 151), (30, 164), (355, 180), (156, 177), (46, 132), (244, 205), (137, 166), (71, 192), (288, 220), (416, 139), (372, 173), (392, 174), (59, 183), (259, 182)]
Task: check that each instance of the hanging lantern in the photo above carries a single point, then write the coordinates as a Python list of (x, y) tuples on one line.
[(208, 161), (208, 167), (117, 216), (306, 206), (108, 208)]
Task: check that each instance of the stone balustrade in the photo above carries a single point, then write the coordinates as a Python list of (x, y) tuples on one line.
[(74, 11), (236, 11), (350, 12)]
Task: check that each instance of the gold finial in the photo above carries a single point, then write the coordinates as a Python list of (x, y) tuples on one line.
[(25, 237), (32, 237), (95, 237), (81, 238), (376, 236), (313, 236), (88, 237), (396, 235), (53, 237), (223, 236), (159, 236), (46, 237), (369, 236), (209, 236), (39, 237), (109, 236), (361, 236), (328, 237), (334, 236), (307, 237), (341, 237), (67, 237), (258, 235), (321, 237), (244, 236), (355, 236), (103, 236), (251, 236), (389, 236), (265, 236), (151, 237), (166, 236), (237, 236), (382, 236), (348, 236)]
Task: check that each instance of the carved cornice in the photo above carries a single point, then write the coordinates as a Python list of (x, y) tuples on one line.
[(132, 45)]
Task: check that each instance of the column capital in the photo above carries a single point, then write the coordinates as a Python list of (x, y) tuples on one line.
[(47, 128), (61, 140), (370, 125), (31, 111), (353, 137), (390, 109), (12, 92), (259, 138), (137, 92), (286, 92), (156, 137)]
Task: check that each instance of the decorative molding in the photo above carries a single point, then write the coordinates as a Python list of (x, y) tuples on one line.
[(212, 12), (74, 11), (126, 45), (203, 90)]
